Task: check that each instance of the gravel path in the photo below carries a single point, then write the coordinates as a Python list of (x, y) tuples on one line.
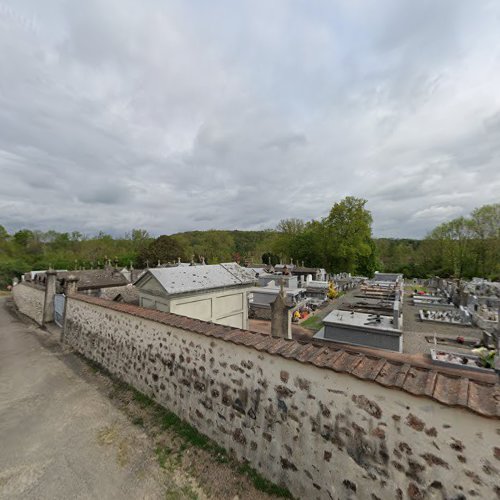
[(69, 431)]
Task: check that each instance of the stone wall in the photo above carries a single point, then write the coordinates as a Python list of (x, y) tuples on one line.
[(323, 434), (29, 299)]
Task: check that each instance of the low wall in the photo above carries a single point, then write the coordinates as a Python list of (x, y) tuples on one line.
[(296, 413), (29, 299)]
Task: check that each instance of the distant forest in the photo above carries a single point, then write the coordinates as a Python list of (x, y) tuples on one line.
[(342, 241)]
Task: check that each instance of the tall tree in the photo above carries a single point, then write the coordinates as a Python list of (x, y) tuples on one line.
[(348, 237), (287, 230), (4, 235), (163, 249)]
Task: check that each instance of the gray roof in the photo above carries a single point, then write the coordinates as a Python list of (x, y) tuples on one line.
[(197, 278), (95, 278)]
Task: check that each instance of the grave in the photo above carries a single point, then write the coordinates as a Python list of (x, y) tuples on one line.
[(370, 330), (460, 317)]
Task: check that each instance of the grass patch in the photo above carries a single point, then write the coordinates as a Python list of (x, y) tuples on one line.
[(263, 484), (94, 365), (142, 399), (138, 421), (184, 492), (191, 436), (313, 323), (410, 287), (194, 438), (163, 453)]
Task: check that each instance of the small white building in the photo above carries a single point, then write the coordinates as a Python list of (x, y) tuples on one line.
[(216, 293)]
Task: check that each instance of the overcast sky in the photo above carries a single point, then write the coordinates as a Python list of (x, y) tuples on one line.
[(180, 115)]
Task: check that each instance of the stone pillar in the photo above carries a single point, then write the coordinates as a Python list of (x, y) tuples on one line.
[(71, 285), (281, 318), (70, 288), (50, 291), (496, 364)]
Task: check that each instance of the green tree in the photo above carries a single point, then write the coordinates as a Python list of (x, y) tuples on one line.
[(485, 229), (348, 243), (4, 235), (164, 249), (23, 237), (270, 258), (465, 246), (287, 231)]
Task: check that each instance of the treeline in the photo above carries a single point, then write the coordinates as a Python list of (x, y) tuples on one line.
[(341, 241), (28, 250), (462, 248)]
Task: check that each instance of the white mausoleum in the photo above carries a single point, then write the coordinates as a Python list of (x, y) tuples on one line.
[(216, 293)]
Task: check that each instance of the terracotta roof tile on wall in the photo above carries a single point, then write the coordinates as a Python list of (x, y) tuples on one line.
[(477, 393)]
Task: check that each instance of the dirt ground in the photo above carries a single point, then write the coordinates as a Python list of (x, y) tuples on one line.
[(68, 430)]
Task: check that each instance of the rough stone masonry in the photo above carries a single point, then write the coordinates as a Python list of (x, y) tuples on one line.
[(321, 433), (30, 300)]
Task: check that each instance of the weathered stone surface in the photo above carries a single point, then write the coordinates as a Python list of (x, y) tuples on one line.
[(365, 404), (323, 434), (29, 300), (415, 423)]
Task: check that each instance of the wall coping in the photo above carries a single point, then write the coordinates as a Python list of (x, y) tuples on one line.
[(30, 284), (476, 392)]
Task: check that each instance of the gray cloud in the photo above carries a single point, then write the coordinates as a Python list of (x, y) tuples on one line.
[(196, 115)]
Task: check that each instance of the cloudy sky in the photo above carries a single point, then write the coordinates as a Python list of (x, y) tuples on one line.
[(194, 114)]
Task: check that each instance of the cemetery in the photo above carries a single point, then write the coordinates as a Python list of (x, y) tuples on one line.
[(460, 317), (376, 321)]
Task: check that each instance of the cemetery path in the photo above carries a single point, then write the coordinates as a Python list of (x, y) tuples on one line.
[(60, 436)]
